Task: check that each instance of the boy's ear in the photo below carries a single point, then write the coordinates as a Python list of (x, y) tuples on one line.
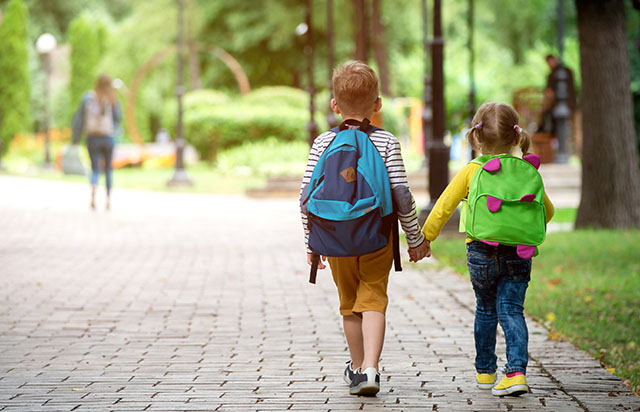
[(378, 105), (334, 106)]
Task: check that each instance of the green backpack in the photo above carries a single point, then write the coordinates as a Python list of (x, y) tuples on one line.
[(506, 203)]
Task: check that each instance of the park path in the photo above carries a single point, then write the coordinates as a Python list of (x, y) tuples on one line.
[(176, 302)]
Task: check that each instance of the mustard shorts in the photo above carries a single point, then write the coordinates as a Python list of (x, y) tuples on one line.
[(362, 281)]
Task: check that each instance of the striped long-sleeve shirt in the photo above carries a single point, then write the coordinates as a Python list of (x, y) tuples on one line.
[(404, 203)]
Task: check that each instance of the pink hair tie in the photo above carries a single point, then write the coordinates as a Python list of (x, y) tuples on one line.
[(517, 128), (478, 126)]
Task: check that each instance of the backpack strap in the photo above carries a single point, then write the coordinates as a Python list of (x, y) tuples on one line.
[(397, 261), (315, 260)]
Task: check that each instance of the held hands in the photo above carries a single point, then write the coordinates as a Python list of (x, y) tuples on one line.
[(320, 264), (418, 253)]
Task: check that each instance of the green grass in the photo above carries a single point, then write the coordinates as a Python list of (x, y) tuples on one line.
[(585, 287)]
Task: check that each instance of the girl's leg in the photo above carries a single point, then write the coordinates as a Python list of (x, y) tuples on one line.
[(108, 166), (94, 155), (511, 294), (108, 162), (373, 327), (353, 332), (483, 272)]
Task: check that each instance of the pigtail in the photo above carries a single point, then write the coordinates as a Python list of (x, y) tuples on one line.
[(473, 136), (525, 140)]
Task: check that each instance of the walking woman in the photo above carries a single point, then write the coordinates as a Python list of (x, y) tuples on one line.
[(98, 117)]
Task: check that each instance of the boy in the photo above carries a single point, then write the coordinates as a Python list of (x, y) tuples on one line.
[(362, 280)]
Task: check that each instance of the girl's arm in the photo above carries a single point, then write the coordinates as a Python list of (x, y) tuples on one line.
[(448, 201), (548, 206)]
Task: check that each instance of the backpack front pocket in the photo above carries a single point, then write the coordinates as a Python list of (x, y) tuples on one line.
[(507, 221)]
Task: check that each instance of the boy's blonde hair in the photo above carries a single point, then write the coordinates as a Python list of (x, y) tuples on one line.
[(495, 126), (355, 86)]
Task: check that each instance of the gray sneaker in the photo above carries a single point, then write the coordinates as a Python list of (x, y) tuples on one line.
[(366, 383), (349, 373)]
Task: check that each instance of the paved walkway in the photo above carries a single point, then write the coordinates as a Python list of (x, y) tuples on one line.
[(201, 303)]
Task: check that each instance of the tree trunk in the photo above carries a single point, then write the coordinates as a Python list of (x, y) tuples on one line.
[(380, 48), (360, 35), (610, 173)]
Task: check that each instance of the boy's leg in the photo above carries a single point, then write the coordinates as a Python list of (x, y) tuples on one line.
[(353, 333), (483, 272), (512, 289), (373, 328), (345, 275), (372, 301)]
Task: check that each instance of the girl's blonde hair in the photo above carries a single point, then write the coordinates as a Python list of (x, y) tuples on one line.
[(104, 90), (495, 126)]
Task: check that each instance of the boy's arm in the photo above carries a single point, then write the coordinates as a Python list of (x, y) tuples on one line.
[(449, 201), (405, 204), (319, 145)]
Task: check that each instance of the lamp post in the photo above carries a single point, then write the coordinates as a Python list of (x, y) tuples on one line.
[(561, 111), (308, 50), (180, 176), (472, 86), (45, 44), (332, 119), (427, 112), (438, 150)]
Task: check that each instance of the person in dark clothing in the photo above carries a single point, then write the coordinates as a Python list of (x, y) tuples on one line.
[(98, 117), (547, 121)]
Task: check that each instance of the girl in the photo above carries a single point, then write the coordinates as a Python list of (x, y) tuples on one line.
[(498, 274), (98, 116)]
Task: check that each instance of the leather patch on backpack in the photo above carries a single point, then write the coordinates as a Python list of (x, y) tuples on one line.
[(349, 174)]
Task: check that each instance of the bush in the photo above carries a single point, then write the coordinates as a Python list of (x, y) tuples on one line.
[(212, 123), (15, 114), (281, 96)]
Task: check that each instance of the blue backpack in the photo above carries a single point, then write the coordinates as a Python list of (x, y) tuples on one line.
[(348, 201)]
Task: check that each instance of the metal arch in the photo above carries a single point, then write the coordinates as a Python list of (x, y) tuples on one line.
[(130, 113)]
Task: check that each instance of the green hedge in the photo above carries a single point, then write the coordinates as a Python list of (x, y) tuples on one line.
[(15, 113), (227, 126), (214, 121)]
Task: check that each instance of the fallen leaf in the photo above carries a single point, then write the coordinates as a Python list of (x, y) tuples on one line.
[(612, 370), (76, 389), (588, 298), (410, 296), (554, 336), (551, 316), (631, 345)]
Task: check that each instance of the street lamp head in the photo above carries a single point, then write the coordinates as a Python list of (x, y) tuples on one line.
[(301, 29), (46, 43), (117, 84)]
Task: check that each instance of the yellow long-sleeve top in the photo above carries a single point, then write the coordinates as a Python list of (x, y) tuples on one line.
[(457, 190)]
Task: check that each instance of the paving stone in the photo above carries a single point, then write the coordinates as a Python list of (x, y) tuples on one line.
[(176, 302)]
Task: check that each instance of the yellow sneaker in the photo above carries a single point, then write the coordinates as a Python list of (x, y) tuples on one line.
[(486, 380), (514, 386)]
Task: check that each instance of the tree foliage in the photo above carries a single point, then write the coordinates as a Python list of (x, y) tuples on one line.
[(87, 39), (15, 113)]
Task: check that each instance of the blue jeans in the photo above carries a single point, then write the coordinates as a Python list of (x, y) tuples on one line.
[(101, 148), (500, 279)]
